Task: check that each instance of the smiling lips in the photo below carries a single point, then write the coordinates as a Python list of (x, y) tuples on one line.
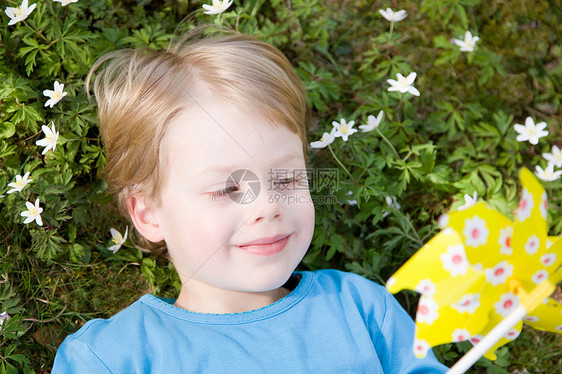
[(266, 246)]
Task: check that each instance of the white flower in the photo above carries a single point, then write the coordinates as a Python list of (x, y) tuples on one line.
[(532, 245), (391, 202), (56, 95), (539, 276), (33, 213), (454, 260), (507, 302), (499, 273), (392, 16), (468, 303), (50, 140), (467, 45), (65, 2), (351, 202), (548, 259), (218, 6), (505, 240), (404, 84), (427, 310), (426, 287), (469, 201), (4, 316), (475, 339), (475, 231), (344, 129), (420, 348), (530, 132), (512, 334), (20, 13), (373, 122), (548, 174), (118, 239), (554, 158), (325, 140), (20, 183), (531, 319), (460, 335), (525, 206)]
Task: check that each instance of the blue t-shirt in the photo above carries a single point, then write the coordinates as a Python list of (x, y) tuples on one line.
[(332, 322)]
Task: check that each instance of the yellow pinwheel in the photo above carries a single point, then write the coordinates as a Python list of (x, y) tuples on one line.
[(482, 269)]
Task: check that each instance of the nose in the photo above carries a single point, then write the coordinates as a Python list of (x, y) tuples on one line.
[(267, 206)]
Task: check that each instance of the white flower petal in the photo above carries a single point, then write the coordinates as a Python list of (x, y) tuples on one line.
[(414, 91), (530, 132), (548, 174), (411, 78), (66, 2), (50, 140), (555, 157), (33, 212), (469, 42), (217, 7), (373, 122), (403, 84), (392, 16), (20, 13), (56, 95)]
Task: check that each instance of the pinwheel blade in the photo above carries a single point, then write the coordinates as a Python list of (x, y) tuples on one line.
[(483, 268)]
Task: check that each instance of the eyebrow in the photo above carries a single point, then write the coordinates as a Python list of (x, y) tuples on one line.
[(231, 168)]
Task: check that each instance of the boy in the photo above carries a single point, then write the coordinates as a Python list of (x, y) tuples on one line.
[(177, 124)]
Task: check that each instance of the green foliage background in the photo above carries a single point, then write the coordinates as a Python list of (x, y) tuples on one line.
[(456, 138)]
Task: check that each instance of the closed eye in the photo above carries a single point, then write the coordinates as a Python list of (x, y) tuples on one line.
[(298, 181), (284, 181), (222, 193)]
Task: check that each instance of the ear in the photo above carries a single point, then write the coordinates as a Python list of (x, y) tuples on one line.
[(143, 218)]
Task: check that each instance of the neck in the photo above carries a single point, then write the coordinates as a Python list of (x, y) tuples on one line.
[(202, 298)]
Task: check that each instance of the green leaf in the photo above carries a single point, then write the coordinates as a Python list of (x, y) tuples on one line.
[(7, 129), (447, 57), (461, 14), (79, 253)]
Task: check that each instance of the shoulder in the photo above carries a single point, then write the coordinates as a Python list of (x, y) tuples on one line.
[(120, 324), (98, 339), (341, 281), (352, 291), (366, 303)]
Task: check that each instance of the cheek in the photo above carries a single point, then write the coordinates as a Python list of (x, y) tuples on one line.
[(310, 220), (208, 225), (191, 225), (303, 215), (198, 238)]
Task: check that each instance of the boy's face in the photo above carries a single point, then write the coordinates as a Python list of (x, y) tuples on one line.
[(219, 238)]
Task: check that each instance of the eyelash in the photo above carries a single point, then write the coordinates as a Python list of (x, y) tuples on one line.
[(216, 195), (285, 181), (222, 193)]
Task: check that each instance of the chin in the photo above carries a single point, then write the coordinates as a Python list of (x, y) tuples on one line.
[(266, 281)]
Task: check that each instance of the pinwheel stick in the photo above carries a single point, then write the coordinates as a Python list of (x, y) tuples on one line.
[(489, 340), (528, 303)]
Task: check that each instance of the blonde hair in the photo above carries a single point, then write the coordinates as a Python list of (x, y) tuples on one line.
[(139, 91)]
